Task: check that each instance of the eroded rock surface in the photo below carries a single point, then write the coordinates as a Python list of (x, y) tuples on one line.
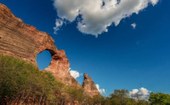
[(21, 40), (59, 67), (89, 86)]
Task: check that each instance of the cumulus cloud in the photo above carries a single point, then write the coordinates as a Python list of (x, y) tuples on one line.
[(133, 25), (75, 74), (95, 16), (140, 94), (102, 91)]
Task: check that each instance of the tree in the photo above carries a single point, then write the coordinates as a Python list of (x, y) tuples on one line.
[(118, 97), (159, 99), (121, 97)]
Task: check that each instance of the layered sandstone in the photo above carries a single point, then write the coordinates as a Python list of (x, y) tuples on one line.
[(25, 42), (21, 40)]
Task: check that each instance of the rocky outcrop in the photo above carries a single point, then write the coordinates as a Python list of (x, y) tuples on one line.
[(59, 67), (89, 86), (25, 42)]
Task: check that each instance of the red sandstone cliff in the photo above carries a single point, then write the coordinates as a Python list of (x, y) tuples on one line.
[(25, 42)]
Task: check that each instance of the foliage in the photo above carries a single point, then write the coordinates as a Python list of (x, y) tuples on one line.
[(159, 99), (121, 97), (20, 79)]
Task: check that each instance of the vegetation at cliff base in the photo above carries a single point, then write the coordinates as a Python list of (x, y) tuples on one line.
[(21, 83), (20, 80)]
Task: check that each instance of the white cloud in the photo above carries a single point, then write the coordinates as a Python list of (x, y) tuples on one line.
[(58, 25), (133, 25), (140, 94), (98, 15), (102, 91), (154, 2), (75, 74)]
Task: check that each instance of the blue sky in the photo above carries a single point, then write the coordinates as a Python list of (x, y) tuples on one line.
[(122, 58)]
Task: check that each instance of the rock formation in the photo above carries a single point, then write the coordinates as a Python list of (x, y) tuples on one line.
[(25, 42), (89, 86), (59, 67)]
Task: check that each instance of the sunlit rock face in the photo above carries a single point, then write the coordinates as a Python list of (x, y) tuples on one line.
[(89, 86), (21, 40), (25, 42), (59, 67)]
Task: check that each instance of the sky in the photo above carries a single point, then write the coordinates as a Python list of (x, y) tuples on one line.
[(121, 45)]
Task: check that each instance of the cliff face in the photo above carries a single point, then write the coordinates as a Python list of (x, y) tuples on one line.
[(24, 41), (21, 40)]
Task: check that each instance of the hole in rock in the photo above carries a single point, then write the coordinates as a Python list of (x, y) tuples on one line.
[(43, 59)]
